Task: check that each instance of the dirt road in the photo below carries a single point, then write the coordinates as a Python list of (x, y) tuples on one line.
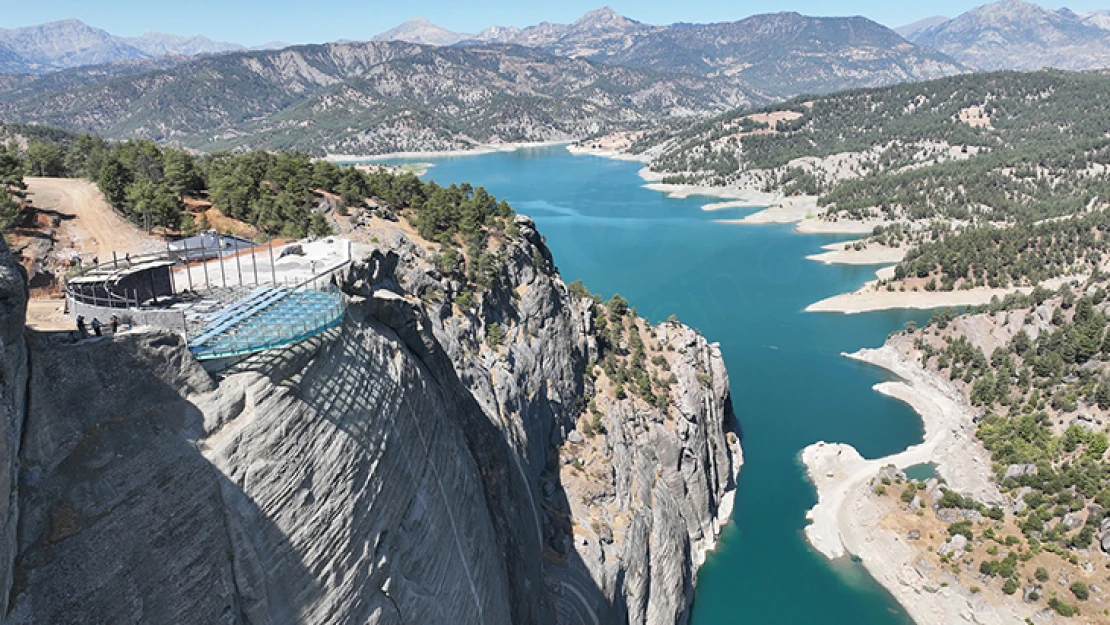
[(95, 228)]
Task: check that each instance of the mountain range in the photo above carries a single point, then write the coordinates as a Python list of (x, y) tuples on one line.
[(1009, 34), (369, 97), (600, 74), (72, 43), (421, 87), (777, 53), (1012, 34)]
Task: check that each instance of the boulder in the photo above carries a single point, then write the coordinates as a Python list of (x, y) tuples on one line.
[(948, 515), (924, 568), (892, 473), (1027, 593), (970, 515), (291, 250), (1018, 470), (1085, 422), (954, 547), (1072, 521)]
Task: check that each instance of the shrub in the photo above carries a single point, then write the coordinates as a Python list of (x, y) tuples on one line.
[(961, 527), (1080, 590), (1041, 574), (494, 334), (1010, 587), (465, 300), (618, 306), (1062, 608), (578, 290)]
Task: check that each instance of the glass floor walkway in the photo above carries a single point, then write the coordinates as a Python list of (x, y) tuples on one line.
[(267, 318)]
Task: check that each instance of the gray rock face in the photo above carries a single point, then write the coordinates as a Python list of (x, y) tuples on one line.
[(953, 547), (1020, 470), (1012, 34), (13, 386), (399, 469)]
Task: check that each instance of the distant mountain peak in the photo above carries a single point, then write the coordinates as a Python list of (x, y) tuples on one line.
[(421, 30), (70, 43), (912, 30), (606, 16), (1013, 34)]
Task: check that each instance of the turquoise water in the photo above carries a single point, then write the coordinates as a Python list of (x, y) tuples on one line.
[(921, 472), (745, 287)]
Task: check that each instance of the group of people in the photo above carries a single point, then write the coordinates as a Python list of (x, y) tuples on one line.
[(97, 327)]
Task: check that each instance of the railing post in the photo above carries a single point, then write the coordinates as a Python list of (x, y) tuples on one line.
[(204, 264), (238, 267), (220, 256), (188, 269), (273, 267), (169, 257)]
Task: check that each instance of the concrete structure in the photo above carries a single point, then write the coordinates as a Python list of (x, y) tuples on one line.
[(130, 283), (208, 245)]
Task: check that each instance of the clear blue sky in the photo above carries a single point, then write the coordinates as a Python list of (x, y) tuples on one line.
[(253, 22)]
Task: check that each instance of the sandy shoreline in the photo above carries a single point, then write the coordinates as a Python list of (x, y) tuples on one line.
[(612, 154), (867, 299), (846, 517), (475, 151), (874, 254)]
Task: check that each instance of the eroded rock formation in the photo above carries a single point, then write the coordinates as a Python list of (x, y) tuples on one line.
[(406, 467)]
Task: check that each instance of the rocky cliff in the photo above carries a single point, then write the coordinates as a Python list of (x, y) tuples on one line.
[(422, 463), (13, 406)]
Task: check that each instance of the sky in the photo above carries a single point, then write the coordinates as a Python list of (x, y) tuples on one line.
[(253, 22)]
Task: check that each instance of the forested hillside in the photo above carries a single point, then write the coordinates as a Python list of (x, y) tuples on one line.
[(364, 98), (989, 154), (286, 194)]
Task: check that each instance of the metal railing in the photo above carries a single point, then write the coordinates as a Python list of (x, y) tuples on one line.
[(254, 332), (258, 332)]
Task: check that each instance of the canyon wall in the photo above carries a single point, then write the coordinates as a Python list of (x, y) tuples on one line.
[(417, 464)]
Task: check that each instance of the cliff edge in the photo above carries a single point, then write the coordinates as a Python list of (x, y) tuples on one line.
[(448, 454)]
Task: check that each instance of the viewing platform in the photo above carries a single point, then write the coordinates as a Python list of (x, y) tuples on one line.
[(227, 303), (269, 318)]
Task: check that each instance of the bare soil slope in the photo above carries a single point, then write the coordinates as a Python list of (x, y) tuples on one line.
[(96, 228)]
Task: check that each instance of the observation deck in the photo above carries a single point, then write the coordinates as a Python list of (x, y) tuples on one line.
[(270, 317), (229, 302)]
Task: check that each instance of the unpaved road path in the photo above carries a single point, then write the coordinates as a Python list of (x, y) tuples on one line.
[(95, 229)]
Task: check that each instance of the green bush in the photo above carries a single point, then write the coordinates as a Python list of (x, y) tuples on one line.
[(961, 527), (1062, 608), (494, 334), (1080, 590)]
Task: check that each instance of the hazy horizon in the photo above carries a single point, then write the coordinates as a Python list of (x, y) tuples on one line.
[(252, 23)]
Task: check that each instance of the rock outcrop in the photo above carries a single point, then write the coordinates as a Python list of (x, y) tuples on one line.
[(13, 389), (420, 463)]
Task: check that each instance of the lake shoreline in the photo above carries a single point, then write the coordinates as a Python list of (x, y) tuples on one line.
[(847, 517), (477, 150)]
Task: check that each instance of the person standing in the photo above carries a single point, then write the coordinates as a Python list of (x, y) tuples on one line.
[(96, 326), (82, 332), (115, 324)]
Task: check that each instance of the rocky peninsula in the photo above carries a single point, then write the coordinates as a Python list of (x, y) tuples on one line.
[(985, 541)]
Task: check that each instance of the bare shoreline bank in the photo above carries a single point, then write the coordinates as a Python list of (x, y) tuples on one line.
[(477, 150), (846, 519)]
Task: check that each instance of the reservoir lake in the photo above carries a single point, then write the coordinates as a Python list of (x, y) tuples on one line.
[(745, 287)]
